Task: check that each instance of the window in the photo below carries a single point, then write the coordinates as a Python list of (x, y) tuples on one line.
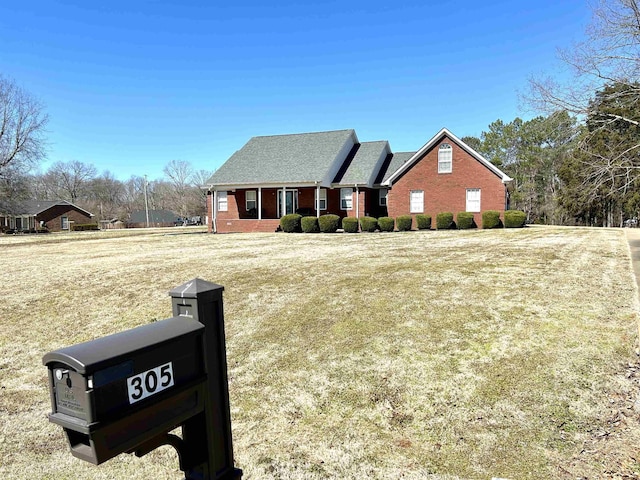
[(250, 199), (383, 197), (445, 158), (416, 201), (323, 199), (346, 198), (64, 222), (222, 201), (473, 199)]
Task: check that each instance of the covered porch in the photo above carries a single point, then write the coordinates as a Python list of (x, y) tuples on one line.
[(259, 209)]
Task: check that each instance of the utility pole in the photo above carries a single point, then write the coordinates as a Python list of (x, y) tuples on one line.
[(146, 203)]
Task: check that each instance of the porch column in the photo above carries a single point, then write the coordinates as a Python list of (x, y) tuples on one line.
[(283, 203), (318, 201), (357, 202), (214, 210), (259, 203)]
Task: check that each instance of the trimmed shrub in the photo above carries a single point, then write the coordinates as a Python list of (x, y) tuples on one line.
[(465, 220), (329, 223), (444, 221), (309, 224), (514, 219), (386, 224), (291, 223), (423, 221), (368, 224), (491, 219), (350, 224), (81, 227), (403, 223)]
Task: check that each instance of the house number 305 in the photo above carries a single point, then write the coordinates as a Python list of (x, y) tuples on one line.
[(147, 383)]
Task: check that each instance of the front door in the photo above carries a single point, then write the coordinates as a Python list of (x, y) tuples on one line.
[(290, 205)]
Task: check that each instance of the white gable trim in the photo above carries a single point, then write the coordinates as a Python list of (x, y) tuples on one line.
[(430, 144)]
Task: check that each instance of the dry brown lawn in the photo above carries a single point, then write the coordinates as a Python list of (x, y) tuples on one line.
[(443, 355)]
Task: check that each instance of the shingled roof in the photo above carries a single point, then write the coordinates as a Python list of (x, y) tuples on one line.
[(287, 159), (392, 164), (35, 207), (332, 158), (363, 167)]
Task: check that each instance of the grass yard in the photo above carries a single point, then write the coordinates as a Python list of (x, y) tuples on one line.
[(443, 355)]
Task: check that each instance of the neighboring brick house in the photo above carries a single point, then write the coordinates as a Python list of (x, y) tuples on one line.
[(56, 216), (332, 172)]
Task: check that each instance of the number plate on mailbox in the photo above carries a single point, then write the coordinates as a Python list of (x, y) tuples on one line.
[(150, 382)]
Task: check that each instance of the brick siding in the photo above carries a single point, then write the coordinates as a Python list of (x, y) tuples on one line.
[(446, 192)]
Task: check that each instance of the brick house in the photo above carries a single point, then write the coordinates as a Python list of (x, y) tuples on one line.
[(333, 172), (55, 215)]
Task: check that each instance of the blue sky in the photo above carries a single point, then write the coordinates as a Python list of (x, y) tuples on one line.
[(131, 85)]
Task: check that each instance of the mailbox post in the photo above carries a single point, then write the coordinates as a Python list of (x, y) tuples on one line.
[(127, 391), (202, 301)]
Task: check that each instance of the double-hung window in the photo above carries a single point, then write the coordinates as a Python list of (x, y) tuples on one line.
[(222, 201), (323, 199), (445, 158), (251, 199), (346, 198), (473, 200), (383, 197), (416, 201)]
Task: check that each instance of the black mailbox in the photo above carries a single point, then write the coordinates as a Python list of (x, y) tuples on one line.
[(114, 393)]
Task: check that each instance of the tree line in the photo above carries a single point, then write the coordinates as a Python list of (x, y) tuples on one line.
[(579, 162), (109, 198), (571, 172), (23, 122), (576, 163)]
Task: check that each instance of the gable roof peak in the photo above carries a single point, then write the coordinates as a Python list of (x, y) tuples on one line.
[(444, 132)]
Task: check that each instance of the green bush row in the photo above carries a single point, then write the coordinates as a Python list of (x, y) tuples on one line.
[(444, 221), (81, 227), (512, 219)]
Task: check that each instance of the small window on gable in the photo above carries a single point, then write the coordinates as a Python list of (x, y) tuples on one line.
[(383, 196), (445, 158), (346, 198), (250, 199), (323, 198), (416, 201), (222, 201)]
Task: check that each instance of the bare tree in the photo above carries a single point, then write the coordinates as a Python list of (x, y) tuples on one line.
[(105, 194), (604, 92), (70, 180), (609, 55), (22, 127), (180, 176), (22, 144), (133, 195)]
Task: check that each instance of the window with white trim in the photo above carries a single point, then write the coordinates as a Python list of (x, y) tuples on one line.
[(383, 196), (473, 200), (251, 199), (346, 198), (222, 201), (416, 201), (445, 158), (323, 198), (64, 222)]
